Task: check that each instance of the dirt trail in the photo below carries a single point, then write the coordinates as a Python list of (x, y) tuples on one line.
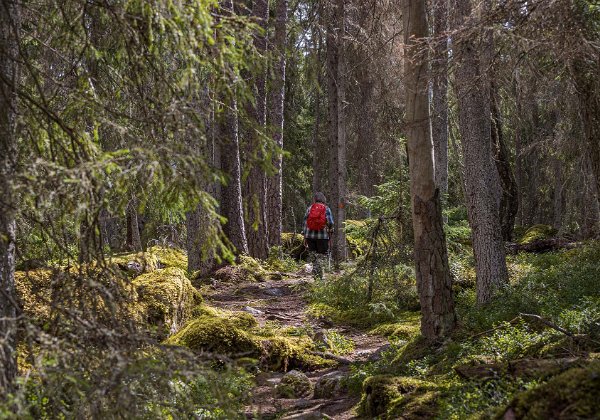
[(283, 301)]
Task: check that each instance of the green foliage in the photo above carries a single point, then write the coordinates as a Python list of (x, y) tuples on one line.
[(344, 298), (536, 233)]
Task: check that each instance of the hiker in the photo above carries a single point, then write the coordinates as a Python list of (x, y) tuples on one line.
[(318, 225)]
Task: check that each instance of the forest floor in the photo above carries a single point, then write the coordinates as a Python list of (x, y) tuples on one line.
[(284, 302)]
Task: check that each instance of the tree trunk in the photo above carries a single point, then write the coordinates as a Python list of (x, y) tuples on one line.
[(509, 204), (274, 184), (255, 188), (439, 118), (231, 204), (9, 30), (320, 169), (431, 261), (134, 242), (481, 176), (337, 126)]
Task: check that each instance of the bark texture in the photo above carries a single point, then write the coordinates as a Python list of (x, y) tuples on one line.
[(277, 98), (433, 274), (231, 203), (255, 187), (481, 176), (337, 125), (9, 30), (134, 241), (439, 83), (509, 201)]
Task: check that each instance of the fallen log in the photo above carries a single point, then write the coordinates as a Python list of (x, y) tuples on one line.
[(542, 245)]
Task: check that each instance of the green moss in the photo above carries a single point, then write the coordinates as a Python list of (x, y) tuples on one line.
[(169, 257), (289, 241), (405, 330), (388, 395), (573, 394), (294, 384), (216, 335), (236, 318), (165, 299), (536, 233), (253, 267)]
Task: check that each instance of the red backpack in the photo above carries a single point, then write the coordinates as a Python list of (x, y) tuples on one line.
[(316, 217)]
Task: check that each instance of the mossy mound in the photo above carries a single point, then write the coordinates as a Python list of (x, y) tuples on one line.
[(399, 330), (216, 335), (536, 233), (154, 258), (574, 394), (246, 270), (294, 384), (391, 396), (165, 299), (235, 334)]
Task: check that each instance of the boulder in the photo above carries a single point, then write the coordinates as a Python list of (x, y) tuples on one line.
[(294, 384), (330, 385)]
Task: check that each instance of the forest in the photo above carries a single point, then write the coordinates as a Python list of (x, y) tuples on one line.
[(300, 209)]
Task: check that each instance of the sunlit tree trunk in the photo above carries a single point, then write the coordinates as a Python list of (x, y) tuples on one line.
[(277, 97), (9, 30), (481, 176), (433, 275)]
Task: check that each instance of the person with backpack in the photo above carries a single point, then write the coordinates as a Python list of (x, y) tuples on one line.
[(318, 225)]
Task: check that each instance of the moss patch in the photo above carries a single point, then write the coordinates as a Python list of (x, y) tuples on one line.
[(165, 299), (536, 233), (390, 396), (573, 394)]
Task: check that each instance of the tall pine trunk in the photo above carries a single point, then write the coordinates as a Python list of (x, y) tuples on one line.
[(255, 189), (481, 176), (439, 83), (337, 125), (9, 30), (433, 274), (134, 241), (277, 99)]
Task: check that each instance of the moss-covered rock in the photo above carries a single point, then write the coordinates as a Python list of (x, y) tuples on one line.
[(247, 269), (536, 233), (574, 394), (399, 330), (217, 335), (391, 396), (294, 384), (290, 241), (165, 299)]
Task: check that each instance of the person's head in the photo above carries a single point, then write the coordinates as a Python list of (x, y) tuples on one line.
[(319, 197)]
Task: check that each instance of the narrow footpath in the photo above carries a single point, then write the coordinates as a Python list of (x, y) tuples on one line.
[(283, 301)]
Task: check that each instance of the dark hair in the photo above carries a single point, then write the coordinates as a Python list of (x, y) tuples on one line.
[(320, 197)]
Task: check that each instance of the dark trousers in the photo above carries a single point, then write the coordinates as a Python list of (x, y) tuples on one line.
[(320, 246)]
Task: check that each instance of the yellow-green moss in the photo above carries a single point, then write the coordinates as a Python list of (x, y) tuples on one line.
[(289, 241), (537, 232), (216, 335), (165, 299), (294, 384), (237, 318), (387, 395), (570, 395), (253, 267), (169, 257), (404, 330)]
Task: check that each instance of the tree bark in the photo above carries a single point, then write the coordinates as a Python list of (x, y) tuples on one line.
[(509, 201), (431, 261), (439, 118), (231, 204), (337, 126), (134, 241), (255, 187), (9, 38), (481, 176), (277, 100)]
